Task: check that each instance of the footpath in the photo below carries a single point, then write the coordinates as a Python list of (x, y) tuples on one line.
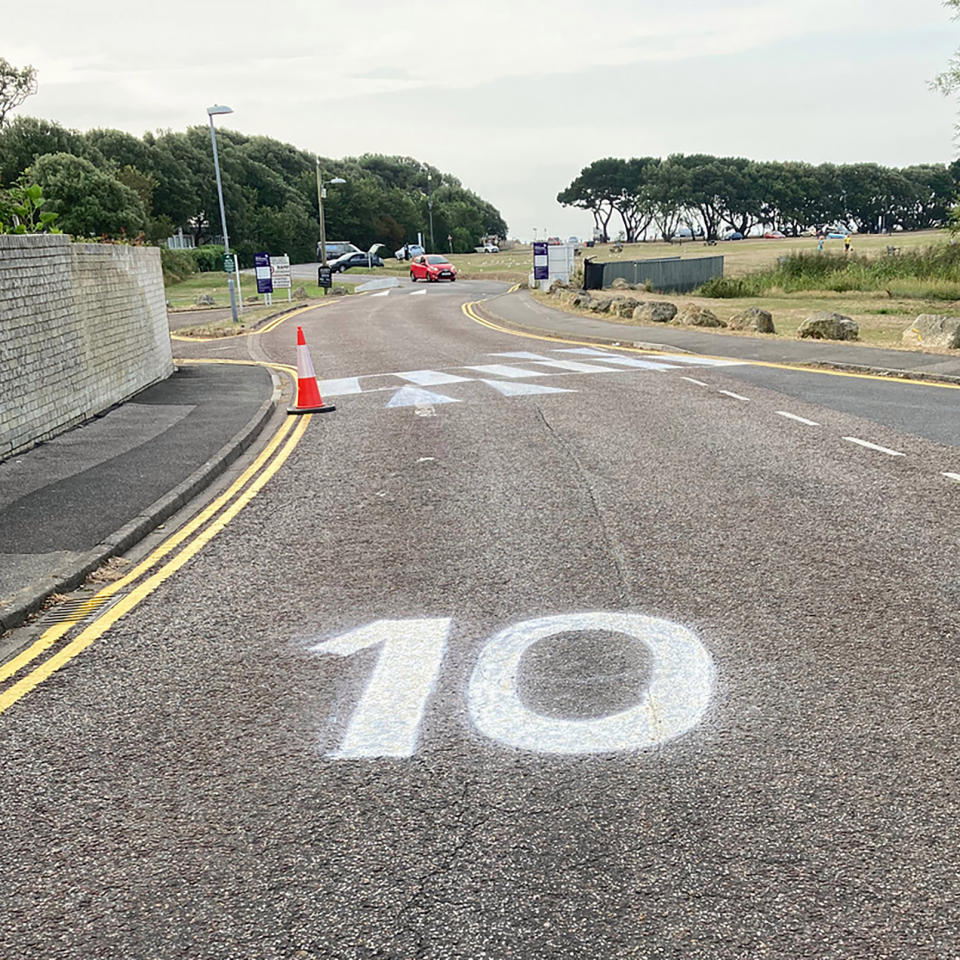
[(70, 503), (520, 311)]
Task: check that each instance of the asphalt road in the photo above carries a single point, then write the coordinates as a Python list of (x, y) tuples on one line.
[(665, 673)]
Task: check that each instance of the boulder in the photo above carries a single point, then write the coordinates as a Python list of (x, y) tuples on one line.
[(581, 298), (300, 293), (753, 318), (600, 305), (933, 330), (829, 326), (620, 284), (696, 316), (204, 300), (624, 307), (655, 311)]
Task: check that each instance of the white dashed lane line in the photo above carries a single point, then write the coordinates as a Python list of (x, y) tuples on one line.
[(736, 396), (955, 477), (874, 446), (793, 416), (699, 383)]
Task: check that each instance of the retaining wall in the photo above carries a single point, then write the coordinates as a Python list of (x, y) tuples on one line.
[(82, 327)]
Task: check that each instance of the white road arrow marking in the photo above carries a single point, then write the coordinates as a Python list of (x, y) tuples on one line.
[(418, 293), (385, 293), (510, 388), (415, 397)]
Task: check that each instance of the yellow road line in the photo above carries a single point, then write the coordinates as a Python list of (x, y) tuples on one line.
[(127, 603), (57, 631), (470, 311)]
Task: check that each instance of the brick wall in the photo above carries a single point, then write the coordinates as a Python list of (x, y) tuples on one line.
[(82, 327)]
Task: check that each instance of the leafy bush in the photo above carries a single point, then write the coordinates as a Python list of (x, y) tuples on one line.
[(177, 265), (209, 258)]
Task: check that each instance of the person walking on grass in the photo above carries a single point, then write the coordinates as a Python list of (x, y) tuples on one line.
[(846, 243), (820, 244)]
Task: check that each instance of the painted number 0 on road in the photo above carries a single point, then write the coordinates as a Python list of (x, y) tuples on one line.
[(386, 721)]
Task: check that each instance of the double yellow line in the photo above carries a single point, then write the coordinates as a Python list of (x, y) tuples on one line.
[(206, 525)]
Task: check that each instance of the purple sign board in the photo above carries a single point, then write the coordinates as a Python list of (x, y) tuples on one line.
[(261, 266), (541, 261)]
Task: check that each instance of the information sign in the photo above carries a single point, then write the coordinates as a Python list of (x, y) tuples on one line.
[(261, 266), (228, 262), (280, 272), (541, 261), (325, 277)]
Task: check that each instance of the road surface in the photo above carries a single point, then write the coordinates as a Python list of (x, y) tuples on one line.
[(532, 650)]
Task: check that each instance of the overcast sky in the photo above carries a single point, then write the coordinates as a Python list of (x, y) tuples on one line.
[(512, 96)]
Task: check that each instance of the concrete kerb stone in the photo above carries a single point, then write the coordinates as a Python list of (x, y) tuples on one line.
[(892, 373), (30, 599)]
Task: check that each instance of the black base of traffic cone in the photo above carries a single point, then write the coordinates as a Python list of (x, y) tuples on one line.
[(326, 408)]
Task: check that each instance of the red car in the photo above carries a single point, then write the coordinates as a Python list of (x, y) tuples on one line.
[(432, 266)]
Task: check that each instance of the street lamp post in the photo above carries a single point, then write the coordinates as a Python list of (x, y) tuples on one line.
[(433, 245), (321, 193), (211, 113)]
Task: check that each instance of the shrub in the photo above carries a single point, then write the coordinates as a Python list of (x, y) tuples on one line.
[(208, 258), (177, 265)]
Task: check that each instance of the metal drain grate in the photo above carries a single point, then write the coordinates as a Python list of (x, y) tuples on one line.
[(73, 611)]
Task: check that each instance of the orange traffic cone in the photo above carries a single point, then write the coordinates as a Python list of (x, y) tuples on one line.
[(308, 393)]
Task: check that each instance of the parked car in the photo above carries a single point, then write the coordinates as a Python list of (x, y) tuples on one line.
[(335, 249), (773, 235), (733, 235), (358, 259), (432, 266), (490, 248), (408, 251)]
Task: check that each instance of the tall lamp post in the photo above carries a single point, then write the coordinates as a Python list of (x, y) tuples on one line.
[(433, 245), (213, 111), (321, 193)]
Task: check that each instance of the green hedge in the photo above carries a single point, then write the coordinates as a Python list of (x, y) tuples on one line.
[(180, 264)]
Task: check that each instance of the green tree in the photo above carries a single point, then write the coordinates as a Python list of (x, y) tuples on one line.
[(87, 201), (15, 86), (27, 138)]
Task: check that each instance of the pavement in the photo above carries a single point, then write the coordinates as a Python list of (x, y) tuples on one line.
[(529, 649), (69, 504)]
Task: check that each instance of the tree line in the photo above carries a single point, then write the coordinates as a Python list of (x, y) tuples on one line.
[(654, 196), (107, 183)]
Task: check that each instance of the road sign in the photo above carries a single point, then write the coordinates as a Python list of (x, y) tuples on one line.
[(261, 266), (228, 262), (280, 272), (324, 277), (541, 261)]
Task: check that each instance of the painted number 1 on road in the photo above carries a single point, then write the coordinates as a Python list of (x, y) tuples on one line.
[(386, 721)]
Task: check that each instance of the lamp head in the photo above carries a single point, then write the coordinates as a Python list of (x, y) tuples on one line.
[(337, 180), (218, 109)]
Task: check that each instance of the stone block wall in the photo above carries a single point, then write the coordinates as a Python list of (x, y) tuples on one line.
[(82, 327)]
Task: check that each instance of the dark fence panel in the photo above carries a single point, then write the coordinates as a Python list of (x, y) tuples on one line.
[(666, 275)]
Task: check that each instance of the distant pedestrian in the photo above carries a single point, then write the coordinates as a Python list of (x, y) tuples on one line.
[(820, 244), (846, 243), (406, 251)]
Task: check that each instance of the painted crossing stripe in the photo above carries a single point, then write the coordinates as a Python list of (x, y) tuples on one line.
[(512, 388), (339, 388), (431, 378), (574, 366), (502, 370)]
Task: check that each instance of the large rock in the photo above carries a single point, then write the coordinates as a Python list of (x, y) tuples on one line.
[(624, 306), (620, 284), (933, 330), (204, 300), (600, 305), (655, 311), (696, 316), (753, 318), (829, 326), (582, 299)]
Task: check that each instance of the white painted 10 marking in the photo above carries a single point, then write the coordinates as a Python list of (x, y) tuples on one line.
[(386, 721)]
